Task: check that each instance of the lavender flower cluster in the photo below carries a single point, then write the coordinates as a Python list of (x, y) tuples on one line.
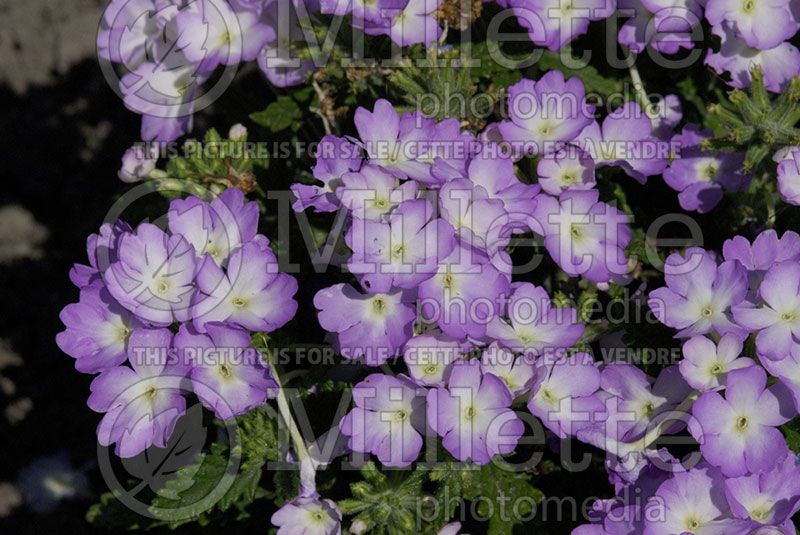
[(169, 49), (165, 313), (430, 212), (744, 478), (752, 32)]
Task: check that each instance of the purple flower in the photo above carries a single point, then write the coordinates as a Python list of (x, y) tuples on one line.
[(251, 294), (584, 236), (415, 24), (102, 251), (402, 252), (471, 212), (515, 371), (699, 294), (137, 163), (765, 251), (335, 157), (706, 364), (494, 173), (375, 326), (777, 320), (691, 502), (568, 169), (308, 515), (562, 396), (211, 34), (388, 419), (668, 113), (97, 330), (769, 497), (397, 144), (372, 193), (738, 433), (789, 178), (701, 176), (625, 140), (153, 276), (762, 24), (533, 325), (545, 112), (665, 25), (473, 415), (462, 296), (633, 403), (361, 10), (141, 404), (779, 65), (553, 23), (215, 228), (788, 371), (429, 357), (227, 374)]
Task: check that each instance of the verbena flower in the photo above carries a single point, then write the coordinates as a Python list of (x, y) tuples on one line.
[(429, 357), (691, 502), (372, 193), (760, 24), (778, 65), (768, 498), (529, 322), (335, 157), (625, 140), (789, 178), (402, 252), (738, 433), (142, 403), (545, 112), (373, 326), (516, 371), (387, 420), (760, 255), (777, 318), (251, 293), (227, 374), (699, 294), (153, 275), (97, 330), (308, 515), (706, 364), (586, 237), (215, 228), (701, 176), (461, 298), (562, 395), (472, 414), (569, 169)]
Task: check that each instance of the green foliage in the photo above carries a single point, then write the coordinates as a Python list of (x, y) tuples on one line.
[(207, 488), (279, 115), (755, 123), (385, 505), (504, 494), (213, 164)]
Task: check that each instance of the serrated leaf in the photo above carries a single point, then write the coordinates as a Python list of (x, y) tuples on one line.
[(279, 115)]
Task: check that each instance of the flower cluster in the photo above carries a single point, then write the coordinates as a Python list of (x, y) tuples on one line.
[(430, 211), (406, 22), (168, 51), (162, 313), (752, 32), (744, 477)]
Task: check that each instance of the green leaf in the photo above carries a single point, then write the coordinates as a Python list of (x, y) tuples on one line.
[(279, 115)]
